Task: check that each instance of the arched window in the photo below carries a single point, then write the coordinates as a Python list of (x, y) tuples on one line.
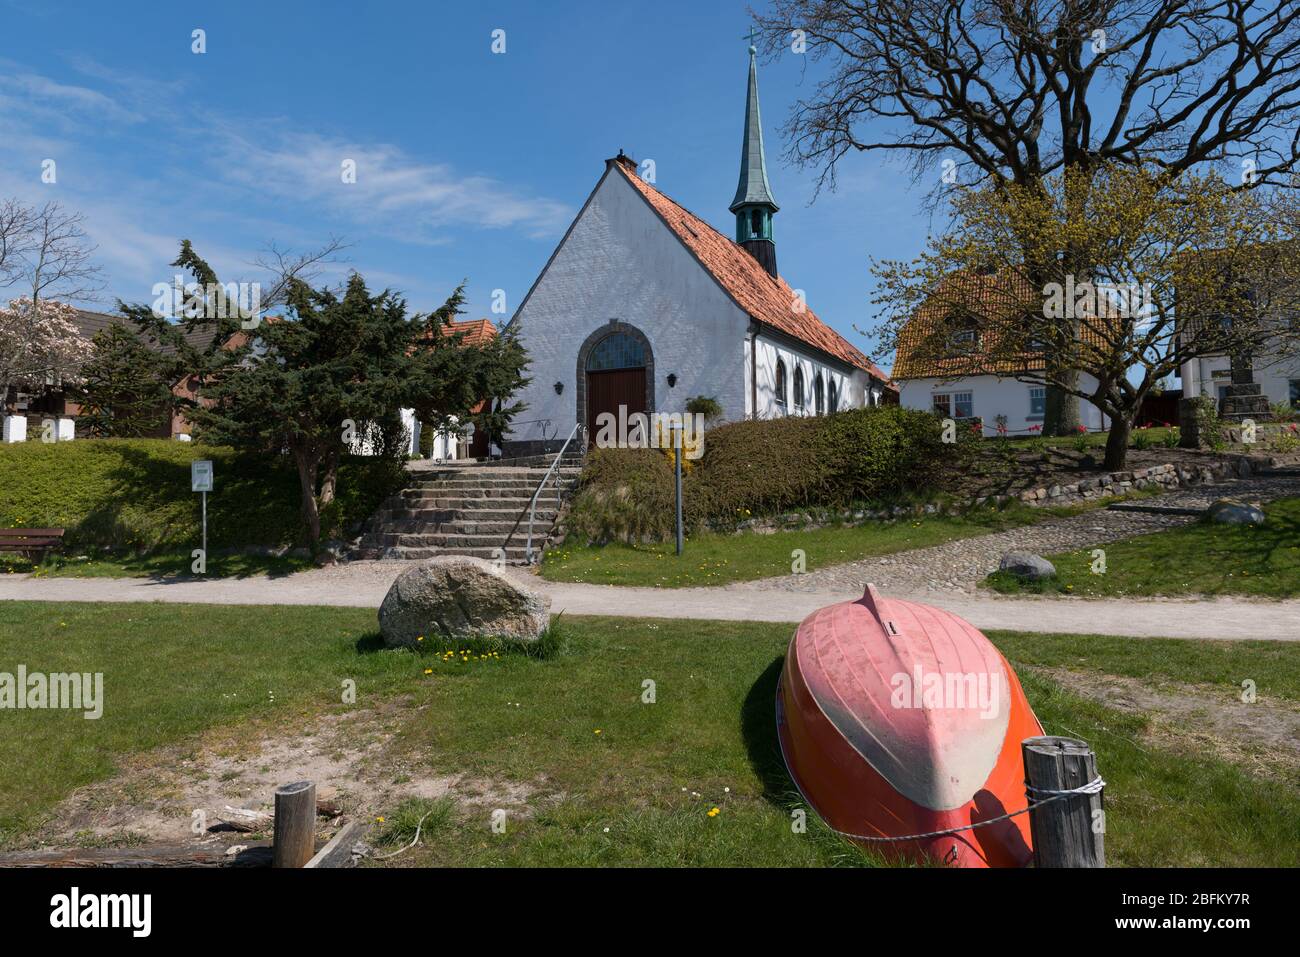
[(780, 385), (617, 350), (756, 224), (798, 388), (819, 395), (834, 405)]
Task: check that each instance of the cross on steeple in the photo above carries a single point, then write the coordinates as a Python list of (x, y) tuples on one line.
[(750, 36)]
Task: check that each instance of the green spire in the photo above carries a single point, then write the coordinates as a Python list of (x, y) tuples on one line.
[(753, 187)]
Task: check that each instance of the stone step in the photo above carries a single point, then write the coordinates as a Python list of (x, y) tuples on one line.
[(463, 514), (492, 483), (466, 527), (513, 554), (502, 497), (455, 542), (522, 474)]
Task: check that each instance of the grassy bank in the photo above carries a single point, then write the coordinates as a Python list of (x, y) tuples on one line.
[(613, 780), (715, 559), (1200, 559), (133, 495)]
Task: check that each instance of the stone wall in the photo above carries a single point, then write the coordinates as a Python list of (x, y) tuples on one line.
[(1165, 477)]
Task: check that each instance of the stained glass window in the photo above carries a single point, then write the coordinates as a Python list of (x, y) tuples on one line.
[(616, 351)]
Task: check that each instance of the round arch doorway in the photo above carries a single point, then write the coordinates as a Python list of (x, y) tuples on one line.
[(615, 371)]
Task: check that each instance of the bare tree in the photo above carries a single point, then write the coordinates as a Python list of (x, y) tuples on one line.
[(284, 266), (58, 256), (15, 227), (1016, 90)]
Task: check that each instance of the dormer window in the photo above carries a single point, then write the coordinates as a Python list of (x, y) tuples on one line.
[(962, 341)]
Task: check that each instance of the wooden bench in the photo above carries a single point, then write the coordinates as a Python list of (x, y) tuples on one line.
[(32, 542)]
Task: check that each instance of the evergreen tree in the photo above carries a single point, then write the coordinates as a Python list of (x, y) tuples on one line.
[(124, 390), (331, 372)]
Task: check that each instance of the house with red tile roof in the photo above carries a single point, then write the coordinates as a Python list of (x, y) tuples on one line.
[(644, 305), (963, 354)]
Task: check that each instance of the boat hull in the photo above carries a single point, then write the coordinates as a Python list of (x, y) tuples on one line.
[(886, 734)]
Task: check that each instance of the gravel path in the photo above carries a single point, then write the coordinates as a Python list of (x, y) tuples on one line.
[(961, 565), (364, 584), (943, 576)]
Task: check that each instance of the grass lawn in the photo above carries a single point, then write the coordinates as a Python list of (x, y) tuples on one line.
[(711, 559), (617, 781), (132, 495), (1203, 558), (169, 564)]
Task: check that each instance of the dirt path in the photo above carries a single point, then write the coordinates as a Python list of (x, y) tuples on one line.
[(1262, 736), (364, 584), (157, 796), (943, 575)]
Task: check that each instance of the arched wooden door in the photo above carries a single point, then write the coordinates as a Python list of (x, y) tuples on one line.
[(616, 377)]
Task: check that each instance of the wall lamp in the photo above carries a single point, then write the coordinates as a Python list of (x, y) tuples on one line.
[(672, 380), (559, 388)]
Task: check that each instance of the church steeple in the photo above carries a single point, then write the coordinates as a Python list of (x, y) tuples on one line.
[(754, 205)]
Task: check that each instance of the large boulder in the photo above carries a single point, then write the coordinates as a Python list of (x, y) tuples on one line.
[(1231, 512), (453, 597), (1027, 565)]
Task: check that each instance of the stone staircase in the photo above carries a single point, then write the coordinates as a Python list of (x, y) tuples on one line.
[(475, 509)]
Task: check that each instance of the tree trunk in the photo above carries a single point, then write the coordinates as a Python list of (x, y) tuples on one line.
[(1117, 441), (329, 481), (1061, 412), (307, 467)]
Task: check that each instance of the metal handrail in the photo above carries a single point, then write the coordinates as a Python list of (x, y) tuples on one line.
[(532, 505)]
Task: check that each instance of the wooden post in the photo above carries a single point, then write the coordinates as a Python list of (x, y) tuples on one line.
[(295, 824), (1067, 831)]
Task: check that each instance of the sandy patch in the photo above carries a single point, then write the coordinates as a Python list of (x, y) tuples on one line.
[(165, 796), (1263, 736)]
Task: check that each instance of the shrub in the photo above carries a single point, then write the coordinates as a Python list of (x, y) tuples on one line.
[(705, 405), (767, 467), (626, 494)]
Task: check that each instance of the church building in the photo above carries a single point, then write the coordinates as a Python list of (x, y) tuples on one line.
[(644, 305)]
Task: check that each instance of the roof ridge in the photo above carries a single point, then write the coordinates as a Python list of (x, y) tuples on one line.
[(848, 352)]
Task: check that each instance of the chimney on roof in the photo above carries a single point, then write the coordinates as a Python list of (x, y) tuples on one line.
[(754, 206)]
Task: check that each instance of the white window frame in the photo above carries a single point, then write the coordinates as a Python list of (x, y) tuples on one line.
[(1033, 400)]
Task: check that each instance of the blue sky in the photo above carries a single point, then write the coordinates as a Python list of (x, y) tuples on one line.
[(470, 164)]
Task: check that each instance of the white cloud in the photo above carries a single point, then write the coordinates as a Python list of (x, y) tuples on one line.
[(393, 192)]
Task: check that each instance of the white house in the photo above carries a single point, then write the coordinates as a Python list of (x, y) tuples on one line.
[(944, 364), (1278, 377), (644, 305)]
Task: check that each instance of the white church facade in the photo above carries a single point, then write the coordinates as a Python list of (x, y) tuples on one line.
[(643, 305)]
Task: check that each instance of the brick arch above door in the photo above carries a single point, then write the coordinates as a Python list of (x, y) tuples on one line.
[(584, 353)]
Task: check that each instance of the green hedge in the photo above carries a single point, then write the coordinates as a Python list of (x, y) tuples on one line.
[(858, 457), (134, 494)]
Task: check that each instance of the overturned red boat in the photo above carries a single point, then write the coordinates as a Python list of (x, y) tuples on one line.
[(898, 719)]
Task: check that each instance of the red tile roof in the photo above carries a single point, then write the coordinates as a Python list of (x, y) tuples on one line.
[(994, 307), (476, 331), (768, 300)]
